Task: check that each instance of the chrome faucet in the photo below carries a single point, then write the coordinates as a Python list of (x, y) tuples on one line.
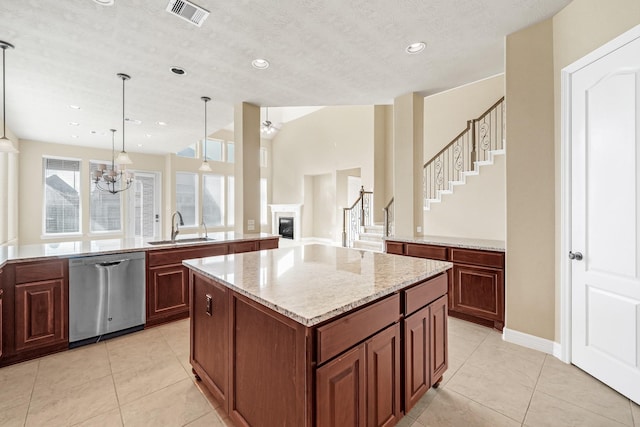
[(206, 236), (174, 226)]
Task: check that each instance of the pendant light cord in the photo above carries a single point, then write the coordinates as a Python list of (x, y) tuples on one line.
[(123, 79)]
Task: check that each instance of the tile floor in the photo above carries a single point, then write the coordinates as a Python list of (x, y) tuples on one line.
[(144, 379)]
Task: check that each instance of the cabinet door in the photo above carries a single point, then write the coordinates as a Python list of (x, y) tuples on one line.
[(396, 248), (439, 355), (210, 335), (340, 391), (1, 292), (417, 379), (40, 314), (167, 292), (383, 377), (478, 291)]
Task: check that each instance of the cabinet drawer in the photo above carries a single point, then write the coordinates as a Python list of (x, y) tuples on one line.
[(236, 248), (469, 256), (420, 295), (269, 244), (339, 335), (396, 248), (427, 251), (41, 270), (176, 256)]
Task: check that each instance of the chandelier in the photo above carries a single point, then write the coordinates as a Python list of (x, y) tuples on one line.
[(267, 127), (112, 180)]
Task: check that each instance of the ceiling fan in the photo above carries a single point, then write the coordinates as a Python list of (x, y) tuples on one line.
[(267, 127)]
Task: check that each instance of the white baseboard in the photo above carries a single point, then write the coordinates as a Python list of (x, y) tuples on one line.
[(531, 341)]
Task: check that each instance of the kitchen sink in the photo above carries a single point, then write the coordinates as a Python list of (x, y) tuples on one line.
[(178, 241)]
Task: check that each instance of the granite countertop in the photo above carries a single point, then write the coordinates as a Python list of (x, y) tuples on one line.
[(108, 246), (314, 283), (456, 242)]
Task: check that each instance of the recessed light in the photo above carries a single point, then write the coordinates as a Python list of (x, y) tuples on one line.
[(133, 121), (75, 107), (104, 2), (74, 123), (74, 136), (148, 135), (140, 145), (161, 123), (177, 70), (416, 47), (260, 64)]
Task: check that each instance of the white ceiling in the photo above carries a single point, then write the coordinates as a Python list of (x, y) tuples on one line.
[(331, 52)]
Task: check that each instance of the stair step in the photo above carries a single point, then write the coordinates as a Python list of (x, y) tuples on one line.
[(370, 246), (379, 229), (371, 237)]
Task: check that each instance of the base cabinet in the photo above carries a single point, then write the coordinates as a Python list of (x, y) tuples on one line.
[(383, 378), (476, 282), (167, 292), (209, 326)]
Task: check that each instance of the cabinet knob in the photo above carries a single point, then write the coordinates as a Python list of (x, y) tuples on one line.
[(575, 255), (209, 304)]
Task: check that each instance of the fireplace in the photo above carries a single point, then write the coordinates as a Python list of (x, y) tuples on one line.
[(285, 227), (287, 211)]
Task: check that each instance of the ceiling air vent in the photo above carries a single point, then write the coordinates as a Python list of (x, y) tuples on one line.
[(188, 11)]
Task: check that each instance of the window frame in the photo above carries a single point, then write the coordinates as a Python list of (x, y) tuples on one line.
[(43, 230), (197, 201)]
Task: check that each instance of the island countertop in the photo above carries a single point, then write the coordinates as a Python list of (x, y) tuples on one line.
[(108, 246), (314, 283)]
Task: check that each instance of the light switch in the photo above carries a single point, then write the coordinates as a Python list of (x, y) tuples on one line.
[(251, 225)]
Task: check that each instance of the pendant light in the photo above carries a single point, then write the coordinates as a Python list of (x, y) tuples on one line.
[(112, 180), (205, 167), (123, 157), (6, 146)]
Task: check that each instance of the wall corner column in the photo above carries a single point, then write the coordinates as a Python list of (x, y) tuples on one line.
[(247, 168), (408, 147)]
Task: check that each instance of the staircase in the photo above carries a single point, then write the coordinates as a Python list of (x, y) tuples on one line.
[(474, 147), (370, 239)]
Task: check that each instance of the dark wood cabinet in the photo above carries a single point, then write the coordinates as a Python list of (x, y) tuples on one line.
[(210, 332), (239, 247), (167, 292), (476, 282), (40, 314), (425, 349), (341, 391), (383, 377), (479, 292), (1, 329)]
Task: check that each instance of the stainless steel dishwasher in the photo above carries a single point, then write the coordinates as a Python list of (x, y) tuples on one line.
[(106, 296)]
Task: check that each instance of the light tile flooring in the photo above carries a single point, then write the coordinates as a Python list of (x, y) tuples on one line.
[(144, 379)]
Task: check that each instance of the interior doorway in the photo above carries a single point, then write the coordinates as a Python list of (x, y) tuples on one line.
[(143, 206), (600, 250)]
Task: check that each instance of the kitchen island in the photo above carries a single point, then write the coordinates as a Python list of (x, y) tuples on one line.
[(318, 335)]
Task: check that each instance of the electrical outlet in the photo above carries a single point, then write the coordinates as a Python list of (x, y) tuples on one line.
[(419, 229)]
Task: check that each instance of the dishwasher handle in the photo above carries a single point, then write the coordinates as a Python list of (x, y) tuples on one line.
[(111, 263)]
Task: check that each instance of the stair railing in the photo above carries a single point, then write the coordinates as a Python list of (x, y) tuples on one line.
[(356, 217), (389, 223), (481, 136)]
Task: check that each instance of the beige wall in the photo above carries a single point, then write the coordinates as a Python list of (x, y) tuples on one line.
[(324, 142), (535, 57), (474, 210), (324, 200), (9, 192), (477, 209), (530, 181)]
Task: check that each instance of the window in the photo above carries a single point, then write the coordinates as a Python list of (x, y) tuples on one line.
[(189, 152), (263, 201), (213, 199), (186, 197), (104, 208), (230, 201), (61, 196), (214, 150), (263, 157), (231, 153)]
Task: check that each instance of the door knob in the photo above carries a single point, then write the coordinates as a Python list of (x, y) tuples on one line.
[(575, 255)]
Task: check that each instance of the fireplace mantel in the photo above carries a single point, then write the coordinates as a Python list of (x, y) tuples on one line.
[(292, 210)]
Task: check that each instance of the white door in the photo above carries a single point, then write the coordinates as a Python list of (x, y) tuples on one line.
[(143, 205), (605, 218)]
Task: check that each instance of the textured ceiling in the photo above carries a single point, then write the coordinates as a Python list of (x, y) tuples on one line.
[(333, 52)]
